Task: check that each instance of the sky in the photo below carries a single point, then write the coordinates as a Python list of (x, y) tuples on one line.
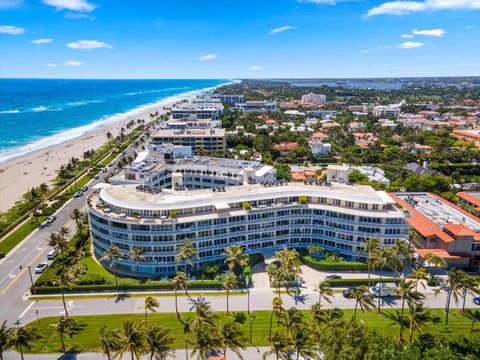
[(238, 38)]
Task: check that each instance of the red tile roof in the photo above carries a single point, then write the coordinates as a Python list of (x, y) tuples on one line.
[(286, 146), (470, 198), (439, 252), (459, 230)]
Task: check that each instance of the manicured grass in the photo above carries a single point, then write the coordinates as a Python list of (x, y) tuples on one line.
[(95, 268), (87, 340), (18, 235)]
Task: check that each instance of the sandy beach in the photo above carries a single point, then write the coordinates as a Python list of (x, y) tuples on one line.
[(22, 173)]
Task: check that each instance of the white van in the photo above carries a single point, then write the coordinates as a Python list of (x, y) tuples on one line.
[(52, 254), (384, 289)]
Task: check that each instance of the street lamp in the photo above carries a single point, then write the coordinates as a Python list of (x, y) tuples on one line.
[(247, 280), (31, 281)]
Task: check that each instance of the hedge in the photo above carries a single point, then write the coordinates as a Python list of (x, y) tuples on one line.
[(358, 282), (194, 285), (333, 266)]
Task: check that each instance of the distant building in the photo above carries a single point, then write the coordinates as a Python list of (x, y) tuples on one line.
[(256, 106), (417, 148), (319, 136), (356, 125), (229, 99), (420, 170), (389, 111), (319, 148), (286, 146), (190, 123), (338, 173), (374, 174), (198, 111), (324, 114), (200, 140), (470, 136), (314, 98), (471, 199)]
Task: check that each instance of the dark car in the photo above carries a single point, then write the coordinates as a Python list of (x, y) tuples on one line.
[(333, 277), (346, 293), (477, 300)]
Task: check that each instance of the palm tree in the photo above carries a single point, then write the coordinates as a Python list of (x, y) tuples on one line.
[(5, 338), (136, 255), (398, 250), (289, 261), (281, 346), (112, 253), (419, 316), (468, 285), (233, 339), (43, 188), (405, 291), (109, 137), (473, 315), (434, 260), (186, 253), (229, 282), (158, 342), (63, 232), (108, 341), (58, 243), (369, 247), (64, 279), (362, 298), (151, 304), (66, 327), (276, 276), (381, 258), (324, 291), (23, 337), (419, 274), (314, 250), (235, 257), (79, 217), (304, 344), (131, 340), (455, 281), (278, 310), (179, 281)]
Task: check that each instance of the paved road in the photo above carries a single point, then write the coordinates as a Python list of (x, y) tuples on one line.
[(15, 282)]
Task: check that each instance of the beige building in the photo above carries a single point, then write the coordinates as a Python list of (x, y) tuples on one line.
[(202, 141)]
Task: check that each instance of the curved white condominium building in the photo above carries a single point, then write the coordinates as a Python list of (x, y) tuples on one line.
[(259, 218)]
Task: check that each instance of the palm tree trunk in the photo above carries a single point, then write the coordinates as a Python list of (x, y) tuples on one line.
[(464, 299), (401, 319), (131, 353), (447, 307), (379, 294), (21, 352), (369, 273), (145, 314), (355, 311), (271, 323), (411, 331), (176, 302), (228, 312), (64, 304), (63, 342), (473, 323)]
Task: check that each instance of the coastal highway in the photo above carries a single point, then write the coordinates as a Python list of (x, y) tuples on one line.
[(14, 274)]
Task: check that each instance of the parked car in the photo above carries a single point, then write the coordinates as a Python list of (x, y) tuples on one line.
[(384, 289), (104, 170), (97, 176), (333, 277), (78, 194), (40, 268), (51, 219), (346, 293), (111, 164), (124, 152), (85, 188), (52, 254), (477, 300)]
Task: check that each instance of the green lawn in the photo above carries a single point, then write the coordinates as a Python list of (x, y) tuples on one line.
[(18, 235), (87, 340), (95, 268)]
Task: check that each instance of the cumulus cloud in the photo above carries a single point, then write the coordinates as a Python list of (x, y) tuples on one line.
[(73, 63), (255, 68), (75, 15), (410, 45), (431, 32), (365, 51), (72, 5), (88, 45), (207, 57), (410, 7), (51, 65), (10, 4), (407, 36), (11, 30), (281, 29), (41, 41)]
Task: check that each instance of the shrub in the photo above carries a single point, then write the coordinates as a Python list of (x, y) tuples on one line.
[(92, 279), (333, 265), (173, 214), (246, 205), (358, 282), (302, 199)]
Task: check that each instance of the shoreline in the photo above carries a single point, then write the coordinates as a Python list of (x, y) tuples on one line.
[(22, 172)]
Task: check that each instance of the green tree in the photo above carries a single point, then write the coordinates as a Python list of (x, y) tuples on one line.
[(406, 293), (5, 338), (474, 315), (362, 298), (455, 281), (151, 304), (66, 327), (179, 281), (233, 339), (281, 345), (229, 282), (158, 342), (381, 259), (108, 341), (419, 274), (369, 247), (110, 255), (236, 258), (23, 339), (136, 255), (324, 292), (186, 253), (131, 339)]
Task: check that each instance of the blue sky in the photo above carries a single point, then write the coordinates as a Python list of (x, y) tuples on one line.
[(238, 38)]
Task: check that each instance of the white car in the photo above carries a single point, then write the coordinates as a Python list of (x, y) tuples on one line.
[(40, 268), (51, 219), (52, 254)]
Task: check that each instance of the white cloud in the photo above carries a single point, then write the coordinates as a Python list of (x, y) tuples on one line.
[(51, 65), (431, 32), (322, 2), (410, 45), (88, 45), (407, 36), (10, 4), (207, 57), (74, 15), (410, 7), (11, 30), (73, 5), (41, 41), (365, 51), (385, 47), (73, 63), (469, 27), (255, 68), (281, 29)]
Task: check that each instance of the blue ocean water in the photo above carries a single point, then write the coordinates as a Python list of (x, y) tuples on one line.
[(37, 113)]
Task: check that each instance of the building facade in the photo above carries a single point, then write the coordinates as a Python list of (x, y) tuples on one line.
[(313, 98), (258, 218), (200, 140)]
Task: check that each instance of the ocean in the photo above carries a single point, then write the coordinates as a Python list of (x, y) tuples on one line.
[(38, 113)]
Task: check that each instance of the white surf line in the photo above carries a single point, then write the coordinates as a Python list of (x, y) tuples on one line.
[(26, 309)]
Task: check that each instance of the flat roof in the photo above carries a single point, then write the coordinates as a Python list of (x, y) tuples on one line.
[(189, 133), (128, 197)]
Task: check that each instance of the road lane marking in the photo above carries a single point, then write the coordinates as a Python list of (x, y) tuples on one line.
[(26, 309)]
